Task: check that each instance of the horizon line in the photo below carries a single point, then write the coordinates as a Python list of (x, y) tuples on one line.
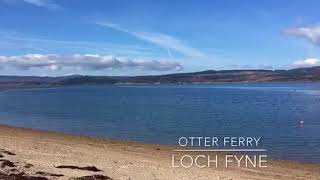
[(161, 73)]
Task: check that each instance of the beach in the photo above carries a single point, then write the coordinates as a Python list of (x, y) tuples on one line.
[(49, 155)]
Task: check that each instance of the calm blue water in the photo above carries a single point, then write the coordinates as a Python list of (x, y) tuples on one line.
[(163, 113)]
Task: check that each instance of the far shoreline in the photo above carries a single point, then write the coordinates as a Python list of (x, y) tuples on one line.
[(307, 74)]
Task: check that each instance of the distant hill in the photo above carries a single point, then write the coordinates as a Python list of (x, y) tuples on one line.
[(210, 76)]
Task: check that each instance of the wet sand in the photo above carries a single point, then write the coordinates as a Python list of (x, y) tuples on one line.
[(32, 154)]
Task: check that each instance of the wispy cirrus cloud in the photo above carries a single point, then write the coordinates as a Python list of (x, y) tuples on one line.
[(15, 41), (163, 40), (44, 3), (49, 4), (311, 33), (83, 62)]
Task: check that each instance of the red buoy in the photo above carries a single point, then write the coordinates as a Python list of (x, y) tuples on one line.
[(302, 123)]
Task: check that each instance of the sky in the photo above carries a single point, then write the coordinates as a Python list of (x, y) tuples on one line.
[(123, 37)]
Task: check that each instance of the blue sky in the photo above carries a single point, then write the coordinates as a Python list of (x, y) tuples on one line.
[(55, 37)]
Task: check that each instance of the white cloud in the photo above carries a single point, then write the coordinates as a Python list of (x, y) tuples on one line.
[(83, 62), (44, 3), (312, 34), (49, 4), (159, 39), (309, 62)]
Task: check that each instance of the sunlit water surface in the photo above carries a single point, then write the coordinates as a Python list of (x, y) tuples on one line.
[(163, 113)]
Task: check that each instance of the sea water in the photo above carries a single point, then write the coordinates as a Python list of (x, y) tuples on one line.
[(164, 113)]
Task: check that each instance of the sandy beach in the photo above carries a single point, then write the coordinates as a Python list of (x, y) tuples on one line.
[(31, 154)]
